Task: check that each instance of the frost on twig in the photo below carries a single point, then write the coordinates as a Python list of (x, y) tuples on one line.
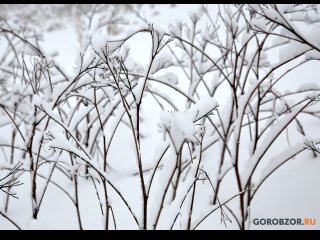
[(180, 126), (9, 179), (312, 146)]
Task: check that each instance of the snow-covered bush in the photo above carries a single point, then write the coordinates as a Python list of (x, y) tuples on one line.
[(173, 127)]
